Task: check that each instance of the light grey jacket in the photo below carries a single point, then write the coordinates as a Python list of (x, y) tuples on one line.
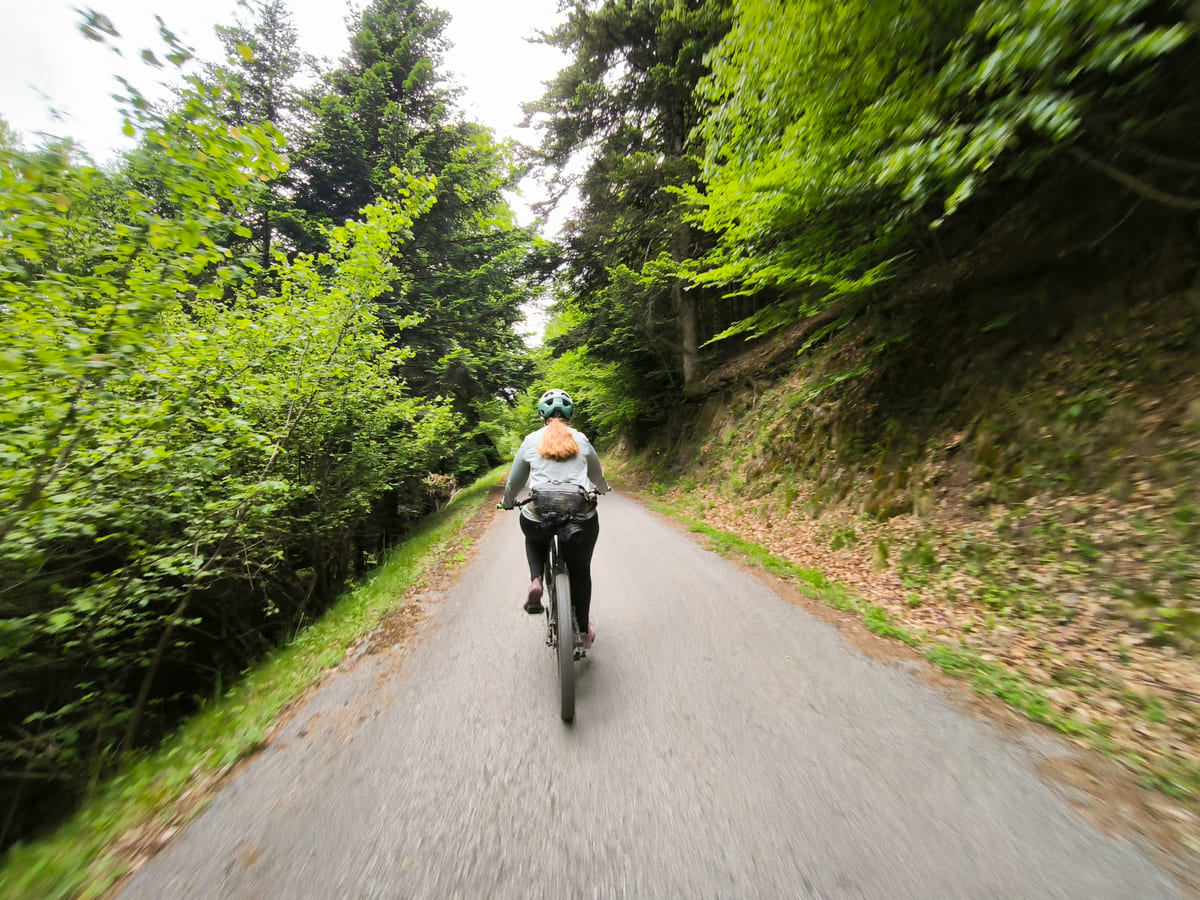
[(583, 469)]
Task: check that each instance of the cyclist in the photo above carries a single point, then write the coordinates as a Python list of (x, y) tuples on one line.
[(558, 454)]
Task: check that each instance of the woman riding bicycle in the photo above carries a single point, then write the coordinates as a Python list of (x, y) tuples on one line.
[(558, 454)]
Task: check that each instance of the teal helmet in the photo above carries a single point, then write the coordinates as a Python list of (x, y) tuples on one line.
[(556, 403)]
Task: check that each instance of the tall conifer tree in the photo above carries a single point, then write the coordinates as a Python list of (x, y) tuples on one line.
[(627, 101)]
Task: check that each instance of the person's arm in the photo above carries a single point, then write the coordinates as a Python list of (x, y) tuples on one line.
[(517, 476), (594, 469)]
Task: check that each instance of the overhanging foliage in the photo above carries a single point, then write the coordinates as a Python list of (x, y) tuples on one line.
[(834, 131)]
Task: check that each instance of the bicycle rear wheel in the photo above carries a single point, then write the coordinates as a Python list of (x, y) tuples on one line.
[(566, 646)]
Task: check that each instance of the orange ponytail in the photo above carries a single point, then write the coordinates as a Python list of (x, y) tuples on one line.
[(558, 442)]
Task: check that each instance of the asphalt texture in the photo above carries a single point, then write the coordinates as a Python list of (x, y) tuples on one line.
[(726, 745)]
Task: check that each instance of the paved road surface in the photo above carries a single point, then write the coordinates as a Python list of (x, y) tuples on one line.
[(726, 745)]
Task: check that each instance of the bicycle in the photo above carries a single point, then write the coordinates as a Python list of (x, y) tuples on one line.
[(556, 600)]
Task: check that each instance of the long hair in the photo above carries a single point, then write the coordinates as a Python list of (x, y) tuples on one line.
[(558, 442)]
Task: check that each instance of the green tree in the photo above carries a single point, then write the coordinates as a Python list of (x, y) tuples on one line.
[(8, 136), (259, 83), (627, 100), (468, 267), (189, 459), (836, 134), (606, 393), (382, 108)]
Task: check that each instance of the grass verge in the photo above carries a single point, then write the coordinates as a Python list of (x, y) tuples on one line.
[(985, 677), (163, 789)]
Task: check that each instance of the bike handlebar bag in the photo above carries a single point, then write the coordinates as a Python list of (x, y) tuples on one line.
[(561, 499)]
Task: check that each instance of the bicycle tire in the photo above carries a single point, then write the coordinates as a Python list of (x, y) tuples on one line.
[(548, 600), (566, 647)]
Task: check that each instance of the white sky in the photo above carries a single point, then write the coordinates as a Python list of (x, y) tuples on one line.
[(53, 80)]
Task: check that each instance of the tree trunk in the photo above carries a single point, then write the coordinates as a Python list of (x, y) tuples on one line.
[(164, 641), (266, 238), (686, 308)]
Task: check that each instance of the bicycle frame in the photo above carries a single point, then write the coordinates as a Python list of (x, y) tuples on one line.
[(556, 566)]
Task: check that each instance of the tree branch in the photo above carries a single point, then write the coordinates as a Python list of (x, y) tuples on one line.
[(1161, 159), (1136, 184)]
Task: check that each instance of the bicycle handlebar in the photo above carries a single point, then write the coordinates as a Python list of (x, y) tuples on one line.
[(516, 505)]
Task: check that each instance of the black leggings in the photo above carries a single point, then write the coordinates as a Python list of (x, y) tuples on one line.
[(577, 552)]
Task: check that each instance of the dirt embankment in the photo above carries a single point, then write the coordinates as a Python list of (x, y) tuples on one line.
[(1009, 471)]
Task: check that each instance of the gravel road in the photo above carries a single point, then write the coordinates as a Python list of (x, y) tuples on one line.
[(726, 745)]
